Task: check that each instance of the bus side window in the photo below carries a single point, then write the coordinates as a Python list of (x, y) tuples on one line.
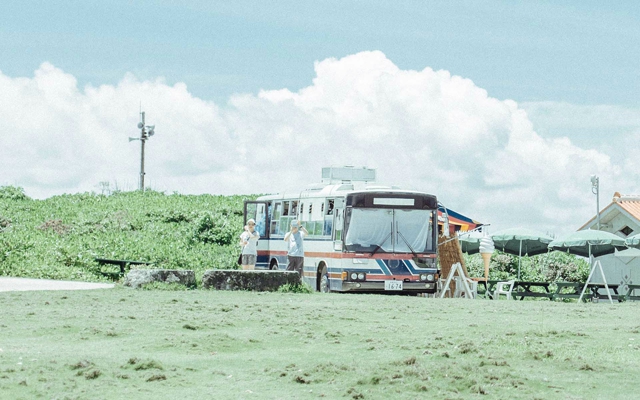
[(285, 208), (294, 208), (275, 218), (328, 225), (337, 231), (261, 219), (330, 207)]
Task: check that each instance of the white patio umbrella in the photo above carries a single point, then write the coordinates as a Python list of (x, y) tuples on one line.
[(519, 241)]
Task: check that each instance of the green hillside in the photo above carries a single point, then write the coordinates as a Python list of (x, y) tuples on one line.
[(60, 237)]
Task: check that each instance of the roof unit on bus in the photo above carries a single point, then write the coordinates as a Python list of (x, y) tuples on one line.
[(314, 187), (379, 187), (347, 174)]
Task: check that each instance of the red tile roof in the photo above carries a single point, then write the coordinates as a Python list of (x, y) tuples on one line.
[(629, 203)]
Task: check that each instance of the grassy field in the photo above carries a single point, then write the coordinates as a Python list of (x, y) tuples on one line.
[(124, 343)]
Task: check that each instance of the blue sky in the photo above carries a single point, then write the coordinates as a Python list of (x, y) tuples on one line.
[(570, 66), (581, 52)]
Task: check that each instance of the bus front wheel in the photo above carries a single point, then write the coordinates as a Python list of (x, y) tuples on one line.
[(323, 280)]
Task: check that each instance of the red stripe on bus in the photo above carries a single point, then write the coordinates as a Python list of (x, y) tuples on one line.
[(382, 256)]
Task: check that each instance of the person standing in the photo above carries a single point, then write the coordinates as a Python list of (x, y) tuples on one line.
[(249, 241), (295, 254)]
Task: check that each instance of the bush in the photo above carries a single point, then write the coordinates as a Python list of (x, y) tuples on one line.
[(215, 229), (4, 223), (565, 267), (295, 288), (12, 193)]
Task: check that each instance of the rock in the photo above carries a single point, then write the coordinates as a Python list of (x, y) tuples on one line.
[(138, 277), (232, 279)]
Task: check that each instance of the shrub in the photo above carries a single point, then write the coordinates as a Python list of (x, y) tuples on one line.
[(566, 267), (12, 193), (211, 228), (295, 288), (555, 266), (4, 223)]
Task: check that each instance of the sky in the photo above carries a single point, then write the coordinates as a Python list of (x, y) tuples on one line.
[(502, 109)]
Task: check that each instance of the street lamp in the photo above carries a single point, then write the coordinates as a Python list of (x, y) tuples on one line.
[(146, 131), (595, 189)]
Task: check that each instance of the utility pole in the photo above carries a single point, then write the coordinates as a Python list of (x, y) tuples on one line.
[(595, 189), (146, 131)]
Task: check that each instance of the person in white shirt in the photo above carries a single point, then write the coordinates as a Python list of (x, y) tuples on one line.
[(248, 241)]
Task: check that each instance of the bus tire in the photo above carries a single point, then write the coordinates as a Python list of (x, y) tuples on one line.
[(323, 280), (274, 265)]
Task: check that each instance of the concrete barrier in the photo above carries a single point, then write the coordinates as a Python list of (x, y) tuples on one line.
[(138, 277), (264, 281)]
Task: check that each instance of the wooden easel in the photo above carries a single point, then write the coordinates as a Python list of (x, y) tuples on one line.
[(593, 269), (457, 267)]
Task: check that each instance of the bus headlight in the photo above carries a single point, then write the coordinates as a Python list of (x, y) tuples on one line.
[(428, 285), (423, 277), (430, 277), (356, 276)]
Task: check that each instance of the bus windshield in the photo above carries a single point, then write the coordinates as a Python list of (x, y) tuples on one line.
[(389, 230)]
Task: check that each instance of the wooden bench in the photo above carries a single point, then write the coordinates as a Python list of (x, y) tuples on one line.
[(123, 264)]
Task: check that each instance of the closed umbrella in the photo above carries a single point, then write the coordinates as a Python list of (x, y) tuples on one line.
[(592, 244), (521, 241)]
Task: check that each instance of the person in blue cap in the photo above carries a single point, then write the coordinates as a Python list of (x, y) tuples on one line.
[(295, 238)]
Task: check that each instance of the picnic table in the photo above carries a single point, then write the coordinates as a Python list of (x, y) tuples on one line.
[(594, 291), (486, 287), (568, 290), (524, 289), (630, 289), (521, 289)]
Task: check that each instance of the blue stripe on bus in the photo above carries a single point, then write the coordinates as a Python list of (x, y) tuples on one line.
[(383, 267)]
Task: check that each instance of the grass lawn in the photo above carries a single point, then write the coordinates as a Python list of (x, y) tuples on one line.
[(124, 343)]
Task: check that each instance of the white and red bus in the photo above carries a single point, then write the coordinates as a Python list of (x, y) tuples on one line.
[(362, 238)]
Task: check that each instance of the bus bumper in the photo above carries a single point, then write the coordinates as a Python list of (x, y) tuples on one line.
[(373, 286)]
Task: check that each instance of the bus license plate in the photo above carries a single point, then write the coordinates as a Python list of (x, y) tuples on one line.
[(392, 285)]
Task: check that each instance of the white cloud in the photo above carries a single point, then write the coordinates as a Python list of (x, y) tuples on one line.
[(426, 130)]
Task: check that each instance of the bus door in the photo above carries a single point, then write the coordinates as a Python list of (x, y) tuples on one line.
[(259, 211), (338, 223)]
